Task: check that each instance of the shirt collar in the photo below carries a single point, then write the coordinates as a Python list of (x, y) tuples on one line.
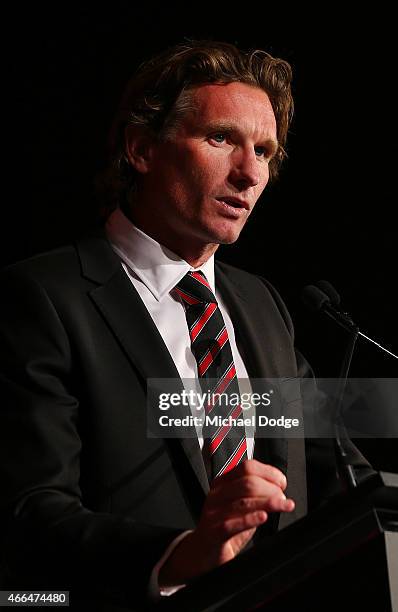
[(154, 264)]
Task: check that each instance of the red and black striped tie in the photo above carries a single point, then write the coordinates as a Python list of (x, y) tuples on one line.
[(225, 444)]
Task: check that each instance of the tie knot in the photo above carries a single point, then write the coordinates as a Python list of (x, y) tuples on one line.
[(194, 289)]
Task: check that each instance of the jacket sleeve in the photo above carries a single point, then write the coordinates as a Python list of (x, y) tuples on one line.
[(48, 537)]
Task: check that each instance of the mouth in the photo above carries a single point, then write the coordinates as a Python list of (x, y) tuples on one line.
[(236, 203)]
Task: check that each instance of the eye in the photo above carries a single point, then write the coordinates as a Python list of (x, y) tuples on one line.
[(261, 151), (218, 138)]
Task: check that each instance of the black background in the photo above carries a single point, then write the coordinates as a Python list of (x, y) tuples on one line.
[(331, 215)]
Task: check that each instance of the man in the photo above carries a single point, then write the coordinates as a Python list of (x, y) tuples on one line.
[(90, 502)]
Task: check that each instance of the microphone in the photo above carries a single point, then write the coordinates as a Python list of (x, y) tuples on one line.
[(319, 301), (330, 291), (325, 298)]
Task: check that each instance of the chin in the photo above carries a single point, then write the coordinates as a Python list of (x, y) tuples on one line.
[(229, 240), (229, 237), (225, 235)]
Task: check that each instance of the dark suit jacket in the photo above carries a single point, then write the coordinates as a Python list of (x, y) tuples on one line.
[(89, 502)]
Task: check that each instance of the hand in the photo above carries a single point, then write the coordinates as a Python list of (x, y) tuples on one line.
[(237, 503)]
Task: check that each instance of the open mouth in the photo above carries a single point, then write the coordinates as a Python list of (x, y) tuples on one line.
[(234, 203), (232, 208)]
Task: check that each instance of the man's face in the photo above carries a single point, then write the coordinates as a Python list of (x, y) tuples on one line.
[(203, 182)]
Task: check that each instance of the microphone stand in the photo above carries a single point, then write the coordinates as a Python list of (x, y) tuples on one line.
[(345, 469)]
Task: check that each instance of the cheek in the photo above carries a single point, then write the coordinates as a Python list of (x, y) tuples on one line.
[(206, 157), (197, 172), (199, 179), (264, 180)]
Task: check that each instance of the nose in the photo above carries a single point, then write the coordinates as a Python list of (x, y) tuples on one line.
[(245, 170)]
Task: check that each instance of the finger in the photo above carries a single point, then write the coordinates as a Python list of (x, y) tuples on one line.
[(247, 505), (228, 493), (252, 467), (233, 526), (280, 504)]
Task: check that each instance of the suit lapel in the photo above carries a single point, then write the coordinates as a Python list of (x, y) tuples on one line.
[(126, 315), (258, 361), (289, 457)]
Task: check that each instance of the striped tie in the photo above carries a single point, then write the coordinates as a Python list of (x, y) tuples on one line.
[(224, 444)]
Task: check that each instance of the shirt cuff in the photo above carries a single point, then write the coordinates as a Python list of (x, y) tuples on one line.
[(155, 592)]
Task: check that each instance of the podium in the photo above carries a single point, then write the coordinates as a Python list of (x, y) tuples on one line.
[(343, 556)]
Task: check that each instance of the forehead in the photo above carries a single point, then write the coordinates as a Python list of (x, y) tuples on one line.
[(235, 102)]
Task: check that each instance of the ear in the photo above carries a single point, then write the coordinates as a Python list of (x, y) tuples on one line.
[(139, 143)]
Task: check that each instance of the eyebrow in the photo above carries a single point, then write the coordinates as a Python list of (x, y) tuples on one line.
[(223, 126)]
